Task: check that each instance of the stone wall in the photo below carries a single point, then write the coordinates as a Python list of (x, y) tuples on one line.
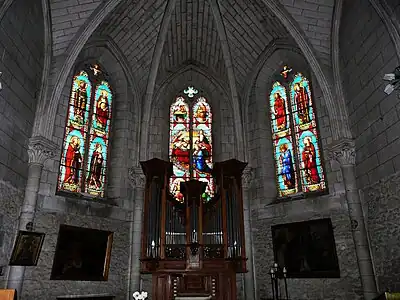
[(223, 130), (54, 210), (37, 283), (10, 202), (263, 190), (382, 209), (348, 286), (367, 53), (21, 64)]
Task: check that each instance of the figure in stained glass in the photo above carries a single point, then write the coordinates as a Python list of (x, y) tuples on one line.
[(79, 101), (81, 98), (302, 102), (181, 149), (179, 111), (280, 111), (201, 152), (73, 161), (201, 113), (309, 161), (102, 110), (175, 188), (86, 143), (96, 167), (302, 161), (286, 161), (190, 144)]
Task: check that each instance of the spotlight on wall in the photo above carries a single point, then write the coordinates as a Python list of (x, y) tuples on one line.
[(394, 81), (1, 86)]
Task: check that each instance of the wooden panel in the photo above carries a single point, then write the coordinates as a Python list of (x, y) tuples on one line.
[(222, 286), (8, 295), (162, 289)]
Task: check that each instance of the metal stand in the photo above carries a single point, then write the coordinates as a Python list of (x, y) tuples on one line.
[(277, 274)]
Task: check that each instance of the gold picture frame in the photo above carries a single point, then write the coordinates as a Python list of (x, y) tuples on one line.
[(27, 248)]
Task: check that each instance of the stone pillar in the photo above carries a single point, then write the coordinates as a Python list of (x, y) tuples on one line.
[(39, 150), (344, 153), (249, 277), (138, 181)]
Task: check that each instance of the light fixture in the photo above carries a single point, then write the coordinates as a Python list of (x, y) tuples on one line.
[(394, 81)]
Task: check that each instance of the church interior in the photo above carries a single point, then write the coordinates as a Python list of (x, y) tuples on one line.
[(199, 149)]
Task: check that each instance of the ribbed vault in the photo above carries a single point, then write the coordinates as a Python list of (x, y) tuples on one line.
[(192, 36)]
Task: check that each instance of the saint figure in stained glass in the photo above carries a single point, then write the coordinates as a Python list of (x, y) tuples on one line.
[(202, 153), (295, 136), (286, 161), (102, 110), (280, 111), (191, 144), (73, 162), (96, 166), (85, 149), (309, 160), (302, 102)]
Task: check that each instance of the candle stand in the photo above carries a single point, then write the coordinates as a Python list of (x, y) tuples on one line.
[(278, 274)]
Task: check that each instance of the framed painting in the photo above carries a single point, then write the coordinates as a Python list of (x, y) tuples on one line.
[(306, 249), (27, 248), (82, 254)]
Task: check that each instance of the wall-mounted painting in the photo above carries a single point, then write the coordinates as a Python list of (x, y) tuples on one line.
[(82, 254), (306, 249), (27, 248)]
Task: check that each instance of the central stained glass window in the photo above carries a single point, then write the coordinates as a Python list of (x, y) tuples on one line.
[(190, 142)]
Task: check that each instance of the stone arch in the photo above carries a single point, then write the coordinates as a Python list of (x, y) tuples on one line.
[(258, 126), (123, 136), (322, 74), (223, 131), (65, 65), (48, 52)]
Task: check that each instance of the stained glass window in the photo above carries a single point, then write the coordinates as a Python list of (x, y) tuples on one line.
[(85, 150), (295, 137), (190, 148)]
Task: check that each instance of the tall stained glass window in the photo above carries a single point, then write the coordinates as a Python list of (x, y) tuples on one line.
[(83, 167), (190, 148), (298, 162)]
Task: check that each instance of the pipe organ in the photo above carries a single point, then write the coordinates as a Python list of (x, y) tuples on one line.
[(193, 248)]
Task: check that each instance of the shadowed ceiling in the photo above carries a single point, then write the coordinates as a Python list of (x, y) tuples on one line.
[(194, 36)]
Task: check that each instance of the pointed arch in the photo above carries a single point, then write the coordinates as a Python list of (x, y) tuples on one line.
[(190, 145), (296, 144), (84, 155)]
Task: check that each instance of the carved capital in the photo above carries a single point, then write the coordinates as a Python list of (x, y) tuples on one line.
[(343, 152), (136, 177), (40, 149), (247, 177)]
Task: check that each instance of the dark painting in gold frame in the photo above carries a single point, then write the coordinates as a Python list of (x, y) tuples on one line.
[(27, 248), (82, 254)]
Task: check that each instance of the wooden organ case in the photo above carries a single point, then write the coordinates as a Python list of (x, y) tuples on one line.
[(193, 248)]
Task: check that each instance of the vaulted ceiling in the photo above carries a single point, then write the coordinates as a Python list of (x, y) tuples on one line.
[(216, 35)]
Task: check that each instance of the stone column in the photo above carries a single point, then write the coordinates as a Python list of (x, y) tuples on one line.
[(39, 150), (344, 153), (138, 181), (249, 277)]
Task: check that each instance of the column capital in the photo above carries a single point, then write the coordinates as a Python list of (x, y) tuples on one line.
[(40, 149), (247, 177), (344, 152), (136, 177)]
